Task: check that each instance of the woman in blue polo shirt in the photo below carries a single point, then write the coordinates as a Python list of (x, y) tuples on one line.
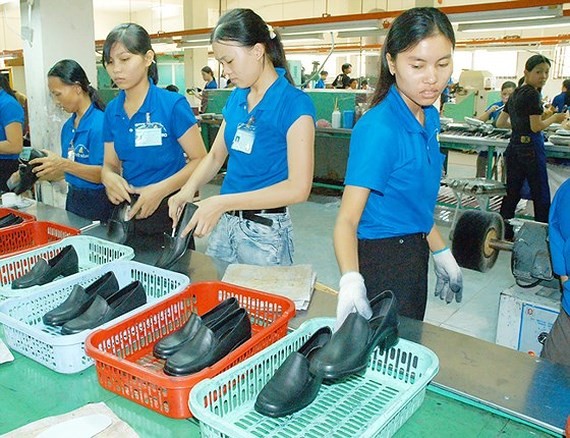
[(385, 227), (147, 132), (11, 134), (267, 134), (557, 345), (81, 142)]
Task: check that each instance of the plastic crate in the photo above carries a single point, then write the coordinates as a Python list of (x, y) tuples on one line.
[(30, 235), (123, 353), (91, 252), (26, 333), (4, 211), (376, 403)]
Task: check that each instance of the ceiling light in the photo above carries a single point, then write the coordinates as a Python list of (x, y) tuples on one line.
[(510, 25), (319, 28), (507, 15)]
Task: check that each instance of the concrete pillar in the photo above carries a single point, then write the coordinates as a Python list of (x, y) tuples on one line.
[(53, 30)]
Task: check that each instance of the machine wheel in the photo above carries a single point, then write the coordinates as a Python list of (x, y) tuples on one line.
[(473, 233)]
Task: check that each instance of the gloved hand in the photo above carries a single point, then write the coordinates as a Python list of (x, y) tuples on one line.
[(351, 298), (449, 277)]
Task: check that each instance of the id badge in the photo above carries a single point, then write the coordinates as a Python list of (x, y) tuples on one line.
[(71, 153), (244, 138), (148, 136)]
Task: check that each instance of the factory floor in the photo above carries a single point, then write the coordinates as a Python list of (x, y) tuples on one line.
[(476, 315)]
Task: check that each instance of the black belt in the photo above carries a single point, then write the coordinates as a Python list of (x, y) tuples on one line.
[(253, 215)]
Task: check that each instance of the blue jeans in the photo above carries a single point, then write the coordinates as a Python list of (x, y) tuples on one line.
[(237, 240)]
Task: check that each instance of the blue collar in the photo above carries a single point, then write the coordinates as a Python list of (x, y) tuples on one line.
[(409, 122), (82, 123), (268, 99), (146, 106)]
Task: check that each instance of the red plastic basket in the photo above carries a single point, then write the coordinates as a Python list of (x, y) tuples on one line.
[(6, 211), (29, 235), (123, 352)]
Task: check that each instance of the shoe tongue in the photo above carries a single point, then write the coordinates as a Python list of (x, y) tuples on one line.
[(41, 266)]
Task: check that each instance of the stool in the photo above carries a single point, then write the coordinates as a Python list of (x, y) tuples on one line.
[(481, 188)]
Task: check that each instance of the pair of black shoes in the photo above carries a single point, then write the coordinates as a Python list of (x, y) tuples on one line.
[(27, 178), (119, 229), (296, 382), (175, 245), (9, 220), (98, 303), (64, 263), (204, 340)]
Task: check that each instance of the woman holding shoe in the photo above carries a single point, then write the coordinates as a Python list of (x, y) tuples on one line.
[(147, 133), (385, 228), (267, 135)]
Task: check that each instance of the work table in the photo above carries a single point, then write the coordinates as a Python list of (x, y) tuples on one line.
[(491, 377)]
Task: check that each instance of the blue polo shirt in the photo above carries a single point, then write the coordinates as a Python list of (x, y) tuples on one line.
[(10, 111), (495, 114), (272, 117), (212, 85), (559, 237), (559, 101), (400, 162), (144, 165), (87, 144)]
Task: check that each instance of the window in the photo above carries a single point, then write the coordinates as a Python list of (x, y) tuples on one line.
[(561, 67)]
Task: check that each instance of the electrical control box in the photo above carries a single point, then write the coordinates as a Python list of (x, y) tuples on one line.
[(526, 316)]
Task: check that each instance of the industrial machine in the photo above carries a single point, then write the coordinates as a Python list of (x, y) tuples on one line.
[(473, 94)]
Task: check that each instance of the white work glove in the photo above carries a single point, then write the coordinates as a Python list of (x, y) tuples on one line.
[(351, 298), (449, 277)]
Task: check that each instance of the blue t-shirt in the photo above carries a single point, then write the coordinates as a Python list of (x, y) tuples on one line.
[(400, 162), (87, 144), (320, 84), (161, 109), (212, 85), (10, 111), (559, 237), (271, 118), (495, 114), (559, 101)]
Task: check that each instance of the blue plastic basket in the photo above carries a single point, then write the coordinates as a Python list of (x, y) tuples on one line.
[(374, 404)]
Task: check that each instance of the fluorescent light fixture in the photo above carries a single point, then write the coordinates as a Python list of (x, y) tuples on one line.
[(164, 47), (510, 25), (198, 38), (193, 45), (311, 29), (518, 14), (362, 33)]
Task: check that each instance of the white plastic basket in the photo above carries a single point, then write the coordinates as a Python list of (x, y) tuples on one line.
[(26, 333), (91, 252), (374, 404)]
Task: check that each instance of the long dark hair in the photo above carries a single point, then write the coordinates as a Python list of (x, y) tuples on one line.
[(247, 28), (406, 32), (136, 40), (5, 85), (71, 73)]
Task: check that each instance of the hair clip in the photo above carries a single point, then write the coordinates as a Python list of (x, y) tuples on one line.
[(271, 31)]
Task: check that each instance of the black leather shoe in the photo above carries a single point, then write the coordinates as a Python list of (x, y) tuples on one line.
[(209, 345), (9, 220), (170, 344), (350, 347), (293, 387), (119, 229), (104, 310), (175, 247), (64, 263), (80, 299), (27, 178)]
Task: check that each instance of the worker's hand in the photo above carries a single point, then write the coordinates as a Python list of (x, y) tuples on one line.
[(148, 201), (351, 298), (117, 187), (559, 117), (449, 282), (49, 167), (177, 202), (493, 108)]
